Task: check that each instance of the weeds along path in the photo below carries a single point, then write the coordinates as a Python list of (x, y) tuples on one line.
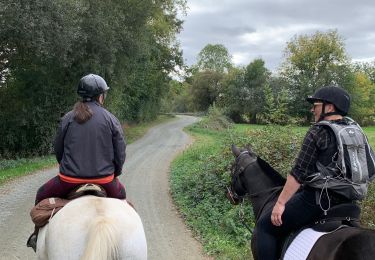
[(146, 176)]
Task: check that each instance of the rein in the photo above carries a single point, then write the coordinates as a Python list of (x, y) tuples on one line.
[(241, 215), (236, 172)]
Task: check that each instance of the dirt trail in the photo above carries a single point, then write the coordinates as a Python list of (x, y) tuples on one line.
[(146, 174)]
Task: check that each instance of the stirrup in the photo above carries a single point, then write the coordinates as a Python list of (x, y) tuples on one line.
[(31, 242)]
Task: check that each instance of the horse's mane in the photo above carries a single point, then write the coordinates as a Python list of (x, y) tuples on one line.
[(271, 172)]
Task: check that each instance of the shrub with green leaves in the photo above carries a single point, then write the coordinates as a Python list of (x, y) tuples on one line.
[(215, 120), (200, 176)]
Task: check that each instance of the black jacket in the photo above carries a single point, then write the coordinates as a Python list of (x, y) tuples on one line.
[(93, 149)]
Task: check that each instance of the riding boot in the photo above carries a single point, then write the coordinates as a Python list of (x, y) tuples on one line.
[(31, 242)]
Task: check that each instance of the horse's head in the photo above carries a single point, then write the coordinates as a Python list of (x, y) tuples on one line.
[(237, 190)]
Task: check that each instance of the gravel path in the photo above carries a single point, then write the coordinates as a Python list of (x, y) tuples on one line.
[(146, 175)]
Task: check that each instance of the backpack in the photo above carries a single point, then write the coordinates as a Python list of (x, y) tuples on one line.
[(352, 168)]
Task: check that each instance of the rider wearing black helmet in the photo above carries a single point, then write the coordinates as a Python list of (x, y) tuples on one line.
[(89, 146), (297, 205), (331, 95)]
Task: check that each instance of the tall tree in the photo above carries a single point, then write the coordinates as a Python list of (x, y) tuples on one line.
[(367, 68), (206, 88), (256, 78), (45, 47), (214, 57), (363, 99), (233, 98), (312, 61)]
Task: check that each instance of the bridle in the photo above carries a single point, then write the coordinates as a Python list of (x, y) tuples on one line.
[(234, 197), (235, 174)]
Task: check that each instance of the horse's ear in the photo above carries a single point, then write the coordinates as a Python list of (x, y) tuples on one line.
[(235, 150), (250, 150)]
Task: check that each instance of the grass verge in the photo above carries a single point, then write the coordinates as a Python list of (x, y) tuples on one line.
[(200, 175), (10, 169)]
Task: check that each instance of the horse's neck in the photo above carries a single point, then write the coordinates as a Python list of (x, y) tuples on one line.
[(262, 188), (264, 201)]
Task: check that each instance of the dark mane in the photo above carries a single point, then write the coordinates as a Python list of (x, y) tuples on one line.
[(271, 172)]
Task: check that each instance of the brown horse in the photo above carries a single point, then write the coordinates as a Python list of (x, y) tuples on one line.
[(255, 179)]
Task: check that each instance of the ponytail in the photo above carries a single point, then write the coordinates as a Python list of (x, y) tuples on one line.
[(82, 112)]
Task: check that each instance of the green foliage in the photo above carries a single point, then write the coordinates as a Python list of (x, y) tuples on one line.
[(232, 98), (313, 61), (178, 99), (273, 143), (199, 178), (215, 120), (46, 47), (368, 68), (205, 89), (214, 57), (363, 96), (256, 77), (275, 111), (243, 92), (200, 175), (198, 182), (10, 169), (362, 91)]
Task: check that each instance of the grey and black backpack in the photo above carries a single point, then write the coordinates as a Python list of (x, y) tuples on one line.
[(352, 168)]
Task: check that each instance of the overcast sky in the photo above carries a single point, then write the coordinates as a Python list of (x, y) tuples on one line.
[(252, 29)]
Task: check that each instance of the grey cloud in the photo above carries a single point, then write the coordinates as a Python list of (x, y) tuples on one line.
[(227, 20)]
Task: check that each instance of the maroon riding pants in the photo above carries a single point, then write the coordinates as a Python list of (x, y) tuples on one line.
[(55, 187)]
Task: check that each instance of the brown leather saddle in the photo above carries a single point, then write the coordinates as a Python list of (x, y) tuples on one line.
[(87, 189), (47, 208)]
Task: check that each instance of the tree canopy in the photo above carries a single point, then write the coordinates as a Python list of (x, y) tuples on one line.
[(251, 93), (47, 46), (313, 61), (214, 57)]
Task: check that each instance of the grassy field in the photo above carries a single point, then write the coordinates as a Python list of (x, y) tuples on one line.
[(10, 169), (199, 177)]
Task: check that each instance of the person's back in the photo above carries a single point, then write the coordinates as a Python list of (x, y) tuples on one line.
[(89, 146), (90, 149)]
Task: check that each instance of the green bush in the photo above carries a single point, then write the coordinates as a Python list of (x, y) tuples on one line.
[(215, 120), (200, 176), (274, 144)]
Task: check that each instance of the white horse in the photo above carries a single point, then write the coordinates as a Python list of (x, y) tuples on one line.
[(91, 228)]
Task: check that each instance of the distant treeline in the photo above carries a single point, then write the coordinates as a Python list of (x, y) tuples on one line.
[(47, 46), (254, 94)]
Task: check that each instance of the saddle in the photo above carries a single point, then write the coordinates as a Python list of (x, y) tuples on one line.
[(339, 216), (47, 208), (87, 189)]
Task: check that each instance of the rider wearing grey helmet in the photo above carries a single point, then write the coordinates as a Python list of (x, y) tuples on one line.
[(89, 146)]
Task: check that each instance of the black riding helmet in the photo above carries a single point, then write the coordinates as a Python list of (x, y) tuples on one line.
[(91, 86), (334, 95)]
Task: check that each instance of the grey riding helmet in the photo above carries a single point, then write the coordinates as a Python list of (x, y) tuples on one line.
[(334, 95), (91, 85)]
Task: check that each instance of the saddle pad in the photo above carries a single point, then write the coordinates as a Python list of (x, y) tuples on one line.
[(302, 244)]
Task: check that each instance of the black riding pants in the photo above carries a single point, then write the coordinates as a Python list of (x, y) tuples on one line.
[(300, 210)]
